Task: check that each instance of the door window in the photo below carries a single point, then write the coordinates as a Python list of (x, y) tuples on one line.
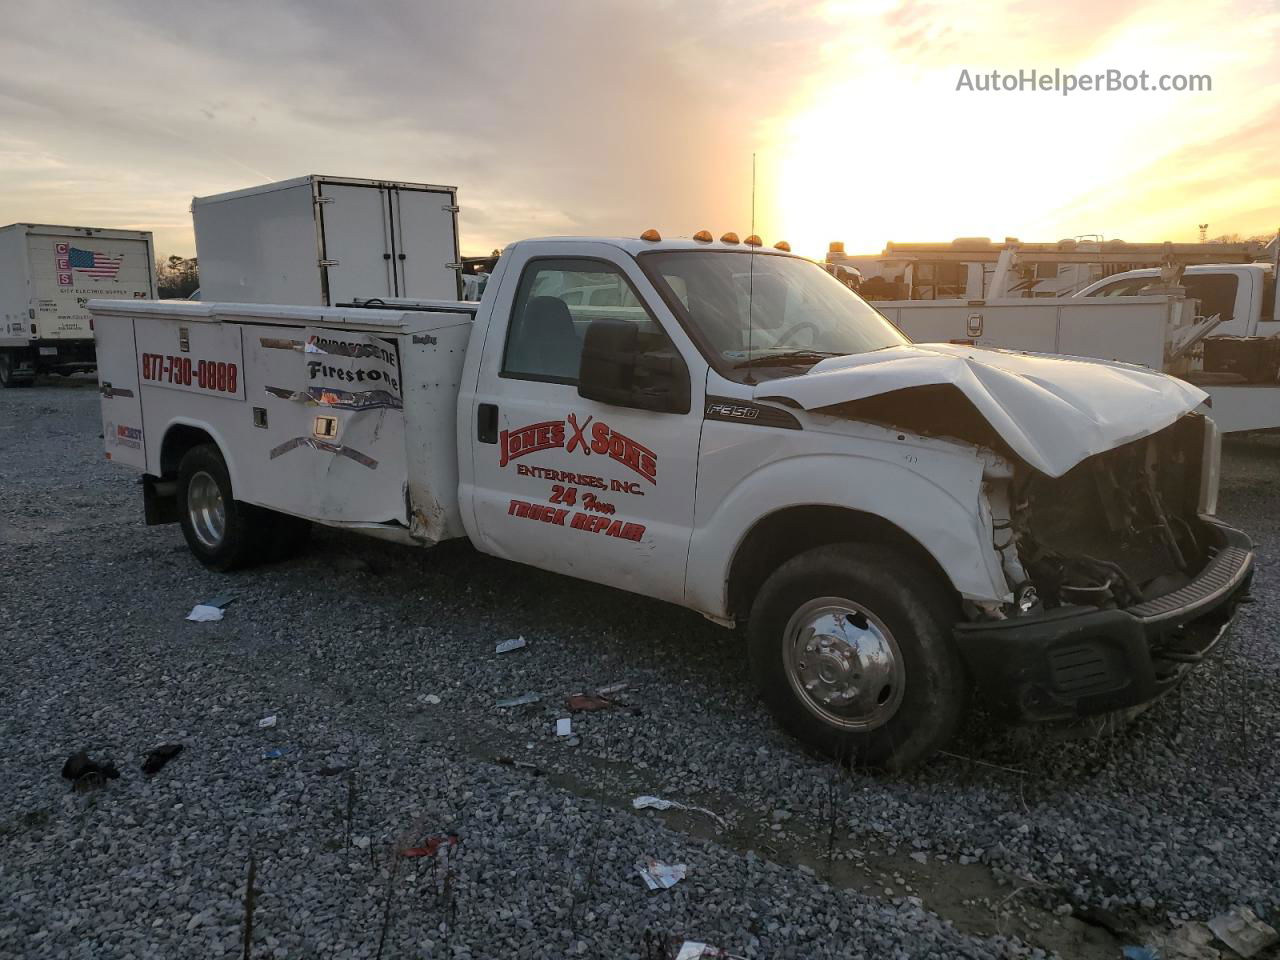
[(555, 303)]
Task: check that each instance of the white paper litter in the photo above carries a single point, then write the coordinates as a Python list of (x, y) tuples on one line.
[(203, 613), (1242, 931), (519, 701), (564, 727), (267, 722), (430, 698), (691, 951), (612, 688), (506, 646), (658, 803), (662, 876)]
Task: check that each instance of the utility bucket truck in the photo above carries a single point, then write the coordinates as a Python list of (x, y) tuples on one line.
[(902, 528), (1214, 324)]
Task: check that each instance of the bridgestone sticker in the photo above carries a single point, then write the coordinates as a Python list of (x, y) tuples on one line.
[(351, 370)]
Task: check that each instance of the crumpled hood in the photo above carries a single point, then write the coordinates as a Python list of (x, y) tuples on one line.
[(1052, 411)]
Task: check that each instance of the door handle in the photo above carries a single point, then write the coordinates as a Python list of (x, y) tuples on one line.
[(487, 423)]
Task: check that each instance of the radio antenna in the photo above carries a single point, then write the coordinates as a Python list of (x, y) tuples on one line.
[(751, 269)]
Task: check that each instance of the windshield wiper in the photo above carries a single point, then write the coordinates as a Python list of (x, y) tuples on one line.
[(786, 358)]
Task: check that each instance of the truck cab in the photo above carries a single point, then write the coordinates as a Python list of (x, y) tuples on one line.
[(1243, 294)]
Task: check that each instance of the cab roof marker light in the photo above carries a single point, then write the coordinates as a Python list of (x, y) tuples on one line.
[(783, 246), (651, 235), (752, 241), (729, 237), (703, 236)]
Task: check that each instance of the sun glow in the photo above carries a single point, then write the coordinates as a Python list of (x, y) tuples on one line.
[(886, 148)]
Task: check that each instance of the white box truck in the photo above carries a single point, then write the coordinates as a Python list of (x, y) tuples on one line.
[(47, 275), (322, 241), (895, 523)]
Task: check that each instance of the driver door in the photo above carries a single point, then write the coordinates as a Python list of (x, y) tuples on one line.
[(595, 490)]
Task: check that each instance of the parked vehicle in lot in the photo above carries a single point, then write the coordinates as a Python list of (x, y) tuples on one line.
[(323, 240), (47, 274), (1215, 325), (895, 523)]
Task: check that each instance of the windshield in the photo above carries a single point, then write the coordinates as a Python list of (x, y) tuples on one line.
[(766, 311)]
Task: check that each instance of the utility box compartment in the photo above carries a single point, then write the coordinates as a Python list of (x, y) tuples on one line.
[(1255, 359), (320, 241)]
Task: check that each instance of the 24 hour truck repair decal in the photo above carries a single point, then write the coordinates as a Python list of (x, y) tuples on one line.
[(572, 435), (586, 522)]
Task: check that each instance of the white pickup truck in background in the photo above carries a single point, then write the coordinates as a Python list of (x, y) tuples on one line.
[(1216, 325), (726, 428), (1239, 356)]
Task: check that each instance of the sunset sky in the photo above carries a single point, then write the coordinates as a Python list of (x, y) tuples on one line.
[(603, 117)]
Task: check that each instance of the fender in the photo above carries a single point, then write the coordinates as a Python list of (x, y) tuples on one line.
[(950, 521), (220, 441)]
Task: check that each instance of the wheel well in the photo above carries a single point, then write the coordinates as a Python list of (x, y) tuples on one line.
[(777, 538), (177, 441)]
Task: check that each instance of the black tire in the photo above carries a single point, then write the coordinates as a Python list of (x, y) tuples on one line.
[(8, 379), (918, 612), (242, 525)]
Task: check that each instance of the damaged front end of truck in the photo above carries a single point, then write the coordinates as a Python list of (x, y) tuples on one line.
[(1100, 487), (1126, 579)]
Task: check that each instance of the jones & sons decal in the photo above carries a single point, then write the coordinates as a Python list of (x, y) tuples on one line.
[(589, 437)]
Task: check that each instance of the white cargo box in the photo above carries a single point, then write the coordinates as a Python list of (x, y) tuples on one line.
[(323, 241)]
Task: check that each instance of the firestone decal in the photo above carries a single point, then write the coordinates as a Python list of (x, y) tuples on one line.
[(589, 437)]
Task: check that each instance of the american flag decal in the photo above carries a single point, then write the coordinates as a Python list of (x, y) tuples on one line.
[(96, 265)]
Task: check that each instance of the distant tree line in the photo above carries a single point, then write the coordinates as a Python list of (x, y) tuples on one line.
[(177, 278)]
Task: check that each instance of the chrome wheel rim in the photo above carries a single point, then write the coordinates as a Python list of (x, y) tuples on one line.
[(844, 664), (206, 509)]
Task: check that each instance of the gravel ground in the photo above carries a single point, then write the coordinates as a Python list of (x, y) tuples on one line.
[(1005, 847)]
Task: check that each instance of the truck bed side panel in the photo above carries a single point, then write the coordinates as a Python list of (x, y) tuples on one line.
[(122, 427), (1130, 329), (432, 360), (317, 456)]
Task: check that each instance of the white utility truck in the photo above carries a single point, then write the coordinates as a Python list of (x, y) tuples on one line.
[(730, 429), (47, 274), (1186, 321), (1239, 355), (318, 240)]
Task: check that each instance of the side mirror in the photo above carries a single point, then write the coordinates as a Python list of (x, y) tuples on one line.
[(615, 370)]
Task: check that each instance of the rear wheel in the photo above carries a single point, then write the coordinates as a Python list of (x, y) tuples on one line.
[(222, 532), (8, 375), (851, 648)]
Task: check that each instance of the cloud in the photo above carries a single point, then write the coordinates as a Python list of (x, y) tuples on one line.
[(599, 117)]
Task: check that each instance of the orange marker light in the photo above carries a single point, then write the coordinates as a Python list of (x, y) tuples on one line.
[(729, 237), (703, 236), (652, 235), (783, 246), (752, 241)]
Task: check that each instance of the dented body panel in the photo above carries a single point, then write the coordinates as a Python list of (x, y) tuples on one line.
[(1052, 412), (306, 406)]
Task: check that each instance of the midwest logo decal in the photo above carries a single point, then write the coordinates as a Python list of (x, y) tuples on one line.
[(72, 261), (589, 437)]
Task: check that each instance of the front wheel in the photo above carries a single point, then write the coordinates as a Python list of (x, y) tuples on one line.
[(851, 648)]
